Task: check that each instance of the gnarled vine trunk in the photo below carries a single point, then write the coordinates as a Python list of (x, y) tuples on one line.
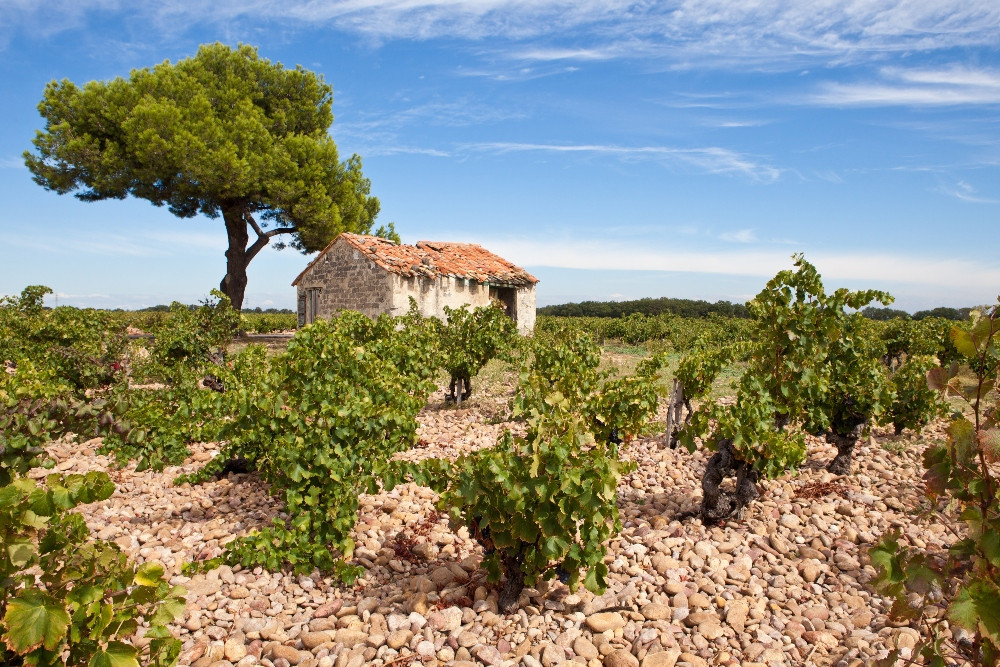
[(510, 591), (678, 413), (845, 442), (717, 504), (459, 389)]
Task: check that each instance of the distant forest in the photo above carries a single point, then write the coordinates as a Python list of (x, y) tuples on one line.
[(161, 308), (699, 308), (647, 306)]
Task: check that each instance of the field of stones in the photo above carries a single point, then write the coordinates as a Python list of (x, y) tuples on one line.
[(788, 584)]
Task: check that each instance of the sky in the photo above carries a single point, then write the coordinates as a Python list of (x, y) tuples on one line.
[(615, 149)]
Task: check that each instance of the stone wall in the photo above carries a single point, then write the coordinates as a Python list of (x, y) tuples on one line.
[(433, 294), (347, 280), (526, 310)]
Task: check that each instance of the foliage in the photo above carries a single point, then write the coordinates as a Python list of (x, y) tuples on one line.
[(810, 367), (89, 599), (547, 497), (190, 337), (84, 348), (858, 389), (543, 505), (470, 339), (264, 323), (915, 404), (66, 599), (222, 133), (154, 425), (957, 591), (672, 331), (787, 383), (320, 423)]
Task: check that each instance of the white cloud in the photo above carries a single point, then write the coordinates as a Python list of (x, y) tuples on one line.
[(563, 54), (878, 268), (920, 87), (770, 33), (737, 123), (741, 236), (712, 159), (966, 192)]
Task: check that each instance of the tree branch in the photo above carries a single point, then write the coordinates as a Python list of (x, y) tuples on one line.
[(253, 223), (264, 238)]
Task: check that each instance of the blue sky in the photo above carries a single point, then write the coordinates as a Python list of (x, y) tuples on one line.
[(615, 149)]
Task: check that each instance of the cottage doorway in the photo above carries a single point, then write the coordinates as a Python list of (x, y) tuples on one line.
[(313, 306), (508, 297)]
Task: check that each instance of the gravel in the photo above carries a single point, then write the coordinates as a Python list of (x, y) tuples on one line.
[(786, 585)]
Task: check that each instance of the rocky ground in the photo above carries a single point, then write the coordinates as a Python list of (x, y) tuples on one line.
[(787, 585)]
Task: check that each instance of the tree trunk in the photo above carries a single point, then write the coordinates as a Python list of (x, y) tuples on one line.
[(234, 285)]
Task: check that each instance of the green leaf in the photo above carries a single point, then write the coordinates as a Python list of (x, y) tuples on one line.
[(963, 342), (149, 574), (21, 553), (33, 620), (117, 654), (977, 609)]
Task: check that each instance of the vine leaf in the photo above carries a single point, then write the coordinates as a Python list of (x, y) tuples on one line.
[(149, 574), (116, 654), (34, 620), (977, 608)]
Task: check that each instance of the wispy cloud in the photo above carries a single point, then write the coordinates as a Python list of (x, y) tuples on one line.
[(12, 163), (741, 236), (957, 85), (737, 123), (395, 149), (685, 32), (553, 53), (107, 245), (712, 160), (966, 192), (388, 132)]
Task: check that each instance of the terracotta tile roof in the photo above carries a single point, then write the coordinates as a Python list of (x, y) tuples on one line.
[(433, 258)]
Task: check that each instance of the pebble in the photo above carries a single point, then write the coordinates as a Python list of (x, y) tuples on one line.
[(610, 620), (789, 579)]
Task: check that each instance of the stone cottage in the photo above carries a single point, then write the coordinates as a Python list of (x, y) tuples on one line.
[(374, 275)]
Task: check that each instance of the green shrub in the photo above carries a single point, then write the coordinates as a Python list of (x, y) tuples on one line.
[(954, 595)]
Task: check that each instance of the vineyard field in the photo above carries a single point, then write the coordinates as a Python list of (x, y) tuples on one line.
[(786, 584)]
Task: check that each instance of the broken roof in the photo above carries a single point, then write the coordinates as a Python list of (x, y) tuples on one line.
[(432, 259)]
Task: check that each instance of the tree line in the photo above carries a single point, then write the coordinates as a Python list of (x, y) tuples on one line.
[(700, 308), (646, 306)]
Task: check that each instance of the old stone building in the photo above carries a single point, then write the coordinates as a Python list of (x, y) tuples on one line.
[(375, 276)]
